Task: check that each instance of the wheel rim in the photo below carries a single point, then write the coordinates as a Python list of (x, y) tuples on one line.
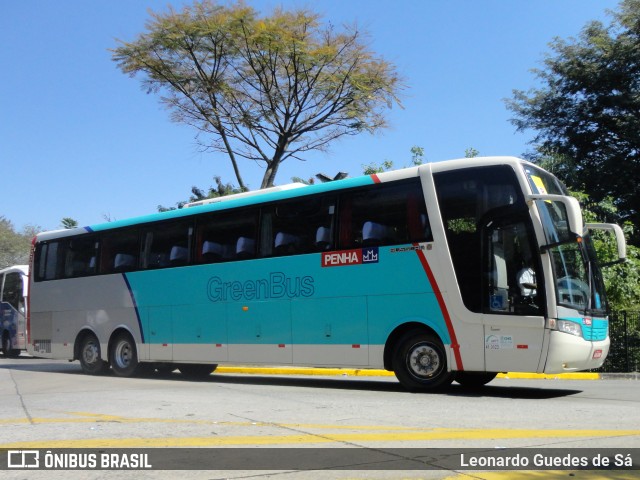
[(90, 353), (423, 361), (123, 354)]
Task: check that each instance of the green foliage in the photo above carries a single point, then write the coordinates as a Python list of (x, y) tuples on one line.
[(262, 88), (417, 155), (374, 167), (219, 190), (417, 159), (471, 153), (14, 246), (68, 223), (622, 281), (585, 113)]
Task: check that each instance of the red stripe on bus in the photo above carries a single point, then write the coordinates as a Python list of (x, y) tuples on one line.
[(32, 255), (443, 307), (375, 178)]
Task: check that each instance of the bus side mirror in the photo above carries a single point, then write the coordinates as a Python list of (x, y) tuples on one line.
[(621, 244), (567, 209)]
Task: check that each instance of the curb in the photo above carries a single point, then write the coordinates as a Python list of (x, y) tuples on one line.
[(357, 372)]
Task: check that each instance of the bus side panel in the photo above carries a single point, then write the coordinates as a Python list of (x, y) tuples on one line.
[(41, 333), (260, 331), (285, 310), (200, 333), (54, 331), (330, 331), (386, 312)]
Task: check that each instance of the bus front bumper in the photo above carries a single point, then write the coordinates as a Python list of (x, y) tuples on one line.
[(570, 353)]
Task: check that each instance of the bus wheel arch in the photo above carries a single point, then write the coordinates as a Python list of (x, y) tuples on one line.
[(88, 351), (418, 358), (395, 336), (123, 353)]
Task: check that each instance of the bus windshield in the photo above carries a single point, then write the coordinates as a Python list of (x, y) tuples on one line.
[(577, 277), (578, 280)]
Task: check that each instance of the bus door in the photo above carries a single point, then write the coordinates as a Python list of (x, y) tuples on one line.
[(513, 294), (12, 313)]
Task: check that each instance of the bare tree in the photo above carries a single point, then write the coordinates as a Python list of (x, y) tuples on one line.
[(262, 88)]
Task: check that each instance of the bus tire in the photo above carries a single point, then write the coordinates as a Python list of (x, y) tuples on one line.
[(420, 362), (89, 355), (196, 370), (6, 347), (123, 356), (475, 379)]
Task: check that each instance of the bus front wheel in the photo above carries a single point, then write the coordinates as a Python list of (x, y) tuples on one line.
[(123, 357), (90, 359), (420, 362)]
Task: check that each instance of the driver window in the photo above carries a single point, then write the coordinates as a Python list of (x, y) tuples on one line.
[(510, 272)]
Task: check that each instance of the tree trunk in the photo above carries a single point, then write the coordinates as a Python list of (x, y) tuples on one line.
[(232, 157), (270, 174)]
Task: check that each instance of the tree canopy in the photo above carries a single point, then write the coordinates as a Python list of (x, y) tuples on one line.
[(14, 246), (586, 111), (261, 88)]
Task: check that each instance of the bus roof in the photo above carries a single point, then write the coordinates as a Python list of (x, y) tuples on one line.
[(16, 268)]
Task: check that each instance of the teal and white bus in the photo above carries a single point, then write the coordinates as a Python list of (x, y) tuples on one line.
[(452, 270), (14, 285)]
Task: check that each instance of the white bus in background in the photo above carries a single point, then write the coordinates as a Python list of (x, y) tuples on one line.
[(454, 270), (14, 285)]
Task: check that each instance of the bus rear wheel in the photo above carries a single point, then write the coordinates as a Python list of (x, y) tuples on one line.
[(420, 362), (123, 356), (89, 355)]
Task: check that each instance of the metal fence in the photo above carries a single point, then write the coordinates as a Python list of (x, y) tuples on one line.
[(624, 353)]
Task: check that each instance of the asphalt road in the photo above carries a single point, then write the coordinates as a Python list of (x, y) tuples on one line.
[(52, 405)]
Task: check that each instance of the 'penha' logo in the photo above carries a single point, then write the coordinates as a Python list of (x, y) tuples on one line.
[(356, 256)]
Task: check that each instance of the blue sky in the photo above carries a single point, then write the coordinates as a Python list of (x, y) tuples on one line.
[(80, 139)]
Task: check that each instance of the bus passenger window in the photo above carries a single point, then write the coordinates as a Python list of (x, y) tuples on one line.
[(119, 252), (81, 257), (49, 261), (387, 214), (226, 236), (299, 226), (167, 245)]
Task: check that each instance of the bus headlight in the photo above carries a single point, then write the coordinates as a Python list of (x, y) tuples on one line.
[(569, 327)]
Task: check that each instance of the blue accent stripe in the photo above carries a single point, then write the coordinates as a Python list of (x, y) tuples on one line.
[(135, 305)]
